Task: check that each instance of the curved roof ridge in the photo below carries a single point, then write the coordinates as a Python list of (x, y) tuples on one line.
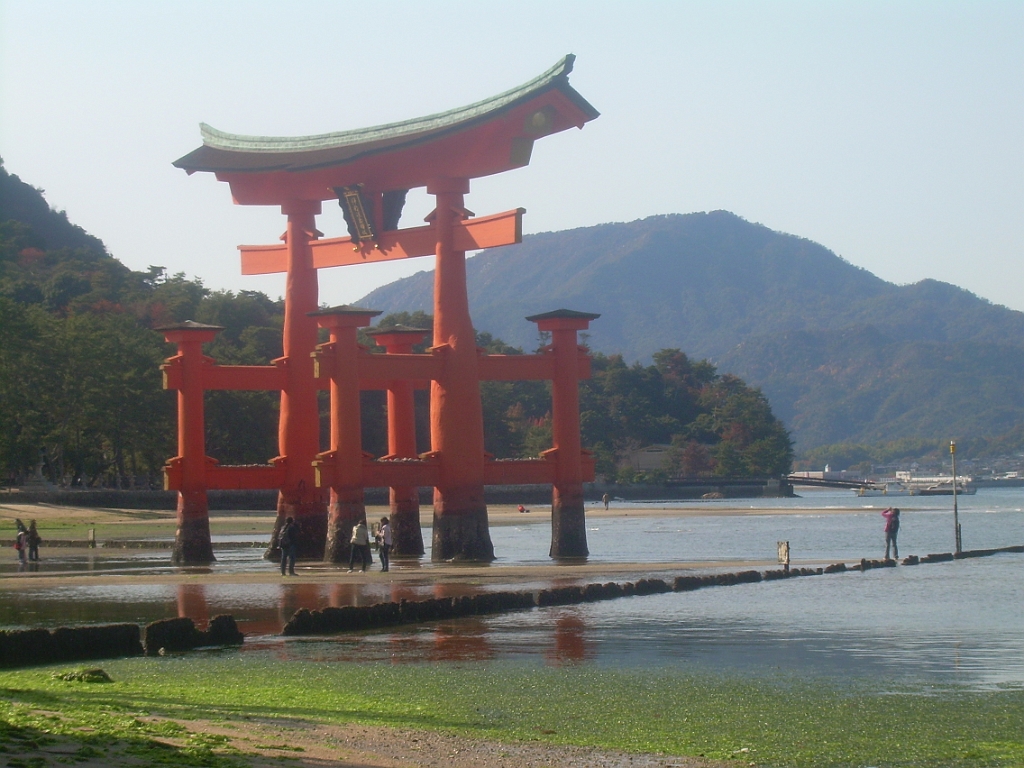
[(221, 140)]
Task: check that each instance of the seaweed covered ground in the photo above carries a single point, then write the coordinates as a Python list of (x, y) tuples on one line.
[(237, 708)]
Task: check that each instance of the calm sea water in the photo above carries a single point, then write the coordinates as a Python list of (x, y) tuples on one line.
[(952, 623)]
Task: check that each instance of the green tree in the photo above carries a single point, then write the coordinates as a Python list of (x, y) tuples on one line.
[(20, 378), (715, 423)]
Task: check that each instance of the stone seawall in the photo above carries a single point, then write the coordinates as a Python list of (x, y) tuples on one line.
[(29, 647), (21, 648), (389, 614)]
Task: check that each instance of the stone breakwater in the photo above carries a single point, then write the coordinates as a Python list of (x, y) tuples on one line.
[(381, 615), (177, 635), (19, 648), (352, 618), (43, 646), (22, 648)]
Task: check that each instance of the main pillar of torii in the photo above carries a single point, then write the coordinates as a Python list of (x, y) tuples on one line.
[(369, 172)]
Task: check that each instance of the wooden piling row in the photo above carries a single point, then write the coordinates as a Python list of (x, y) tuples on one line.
[(28, 647), (382, 615), (19, 648)]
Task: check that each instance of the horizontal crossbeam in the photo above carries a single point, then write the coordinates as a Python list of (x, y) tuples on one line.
[(470, 235), (227, 477), (375, 371), (426, 473)]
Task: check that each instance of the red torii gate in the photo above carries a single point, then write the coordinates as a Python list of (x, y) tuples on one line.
[(369, 171)]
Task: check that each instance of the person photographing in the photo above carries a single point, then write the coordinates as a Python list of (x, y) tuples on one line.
[(892, 529)]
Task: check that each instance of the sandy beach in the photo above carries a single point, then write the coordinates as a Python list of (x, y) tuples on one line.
[(349, 746), (498, 514), (66, 523), (352, 745)]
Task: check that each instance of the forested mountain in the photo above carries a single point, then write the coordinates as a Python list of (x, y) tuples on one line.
[(841, 354), (715, 423), (80, 384), (25, 204), (81, 396)]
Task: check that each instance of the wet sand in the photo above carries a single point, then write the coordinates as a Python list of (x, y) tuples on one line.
[(57, 522), (449, 573), (498, 514), (351, 745)]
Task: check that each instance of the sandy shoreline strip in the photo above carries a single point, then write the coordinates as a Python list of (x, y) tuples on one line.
[(258, 524), (498, 514), (413, 574)]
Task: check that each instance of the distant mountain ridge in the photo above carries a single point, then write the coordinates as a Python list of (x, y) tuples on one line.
[(22, 202), (842, 354)]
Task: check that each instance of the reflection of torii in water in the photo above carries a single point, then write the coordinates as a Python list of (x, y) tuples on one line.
[(369, 171)]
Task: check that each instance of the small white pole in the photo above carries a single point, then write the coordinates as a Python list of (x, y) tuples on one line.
[(784, 555), (956, 516)]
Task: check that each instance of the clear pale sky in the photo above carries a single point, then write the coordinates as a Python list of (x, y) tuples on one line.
[(890, 132)]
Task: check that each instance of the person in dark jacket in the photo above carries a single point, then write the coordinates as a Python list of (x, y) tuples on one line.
[(33, 540), (288, 541), (892, 529)]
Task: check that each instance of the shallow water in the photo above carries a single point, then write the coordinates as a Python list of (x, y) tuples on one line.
[(950, 623), (945, 624)]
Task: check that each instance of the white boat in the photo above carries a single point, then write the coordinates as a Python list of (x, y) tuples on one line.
[(907, 485), (963, 488), (886, 489)]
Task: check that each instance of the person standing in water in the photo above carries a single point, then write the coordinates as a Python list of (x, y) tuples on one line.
[(359, 545), (21, 545), (892, 529), (384, 543), (288, 540), (33, 540)]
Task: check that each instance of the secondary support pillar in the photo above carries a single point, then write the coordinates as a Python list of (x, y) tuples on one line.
[(345, 459), (456, 415), (405, 500), (299, 425), (192, 543), (568, 523)]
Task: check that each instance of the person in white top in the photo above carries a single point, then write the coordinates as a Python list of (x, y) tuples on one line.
[(359, 545)]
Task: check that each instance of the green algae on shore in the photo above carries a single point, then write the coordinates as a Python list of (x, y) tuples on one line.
[(765, 721)]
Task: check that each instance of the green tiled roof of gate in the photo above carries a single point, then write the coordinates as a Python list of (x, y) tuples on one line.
[(226, 151), (345, 309), (563, 314)]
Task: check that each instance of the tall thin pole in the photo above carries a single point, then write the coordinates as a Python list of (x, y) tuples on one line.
[(956, 517)]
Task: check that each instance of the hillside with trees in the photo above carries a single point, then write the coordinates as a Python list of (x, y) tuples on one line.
[(81, 394), (80, 385), (716, 424), (842, 355)]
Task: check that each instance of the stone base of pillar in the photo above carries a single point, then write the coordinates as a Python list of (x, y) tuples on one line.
[(192, 539), (568, 522), (309, 508), (460, 526), (406, 534), (346, 509)]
